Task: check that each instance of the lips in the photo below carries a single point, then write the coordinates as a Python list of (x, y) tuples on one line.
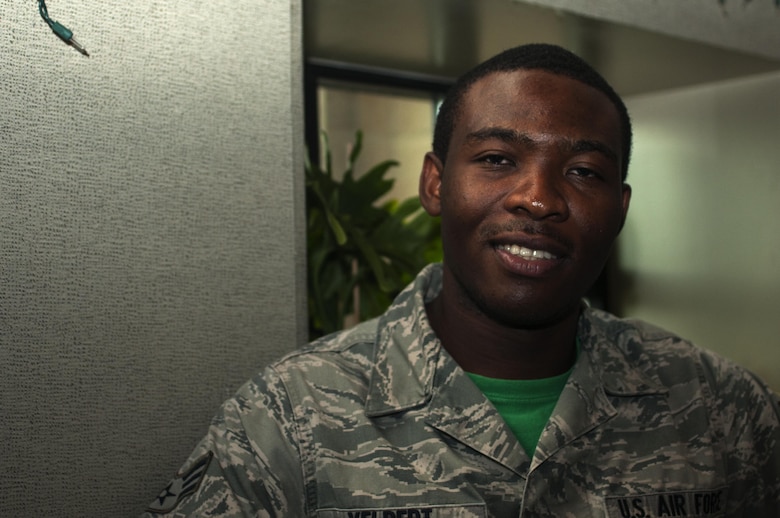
[(530, 255)]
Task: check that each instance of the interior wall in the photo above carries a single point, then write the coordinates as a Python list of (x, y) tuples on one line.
[(748, 26), (151, 237), (701, 246)]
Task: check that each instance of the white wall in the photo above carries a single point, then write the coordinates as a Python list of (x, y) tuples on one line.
[(700, 253), (151, 238), (745, 25)]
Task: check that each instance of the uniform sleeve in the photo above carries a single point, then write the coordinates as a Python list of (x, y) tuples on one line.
[(750, 422), (248, 464)]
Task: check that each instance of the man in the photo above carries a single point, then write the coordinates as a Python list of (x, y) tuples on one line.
[(488, 388)]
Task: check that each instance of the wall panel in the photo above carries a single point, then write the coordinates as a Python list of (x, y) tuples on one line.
[(151, 240)]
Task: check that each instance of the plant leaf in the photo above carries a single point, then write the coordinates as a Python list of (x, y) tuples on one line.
[(373, 260), (357, 147), (338, 230)]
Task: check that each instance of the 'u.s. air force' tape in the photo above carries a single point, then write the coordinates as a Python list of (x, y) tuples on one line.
[(184, 484), (691, 504)]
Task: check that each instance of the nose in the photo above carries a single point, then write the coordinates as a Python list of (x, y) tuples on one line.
[(537, 191)]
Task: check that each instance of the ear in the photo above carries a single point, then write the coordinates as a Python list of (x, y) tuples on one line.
[(430, 184), (626, 202)]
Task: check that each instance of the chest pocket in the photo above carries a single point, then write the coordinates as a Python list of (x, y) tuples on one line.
[(689, 504), (430, 511)]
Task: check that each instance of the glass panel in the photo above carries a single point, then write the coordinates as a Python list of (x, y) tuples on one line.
[(397, 126)]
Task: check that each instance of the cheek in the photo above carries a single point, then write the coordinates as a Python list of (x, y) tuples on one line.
[(602, 226), (462, 211), (465, 200)]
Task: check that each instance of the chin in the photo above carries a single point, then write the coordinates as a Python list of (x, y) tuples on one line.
[(528, 312)]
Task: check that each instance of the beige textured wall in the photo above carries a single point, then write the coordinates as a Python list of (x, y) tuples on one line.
[(701, 247), (151, 239)]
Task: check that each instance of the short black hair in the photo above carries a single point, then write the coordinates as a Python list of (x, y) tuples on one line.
[(534, 56)]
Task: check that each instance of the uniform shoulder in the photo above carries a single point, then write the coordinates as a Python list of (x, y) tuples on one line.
[(662, 346), (340, 360), (667, 357), (341, 343), (635, 338)]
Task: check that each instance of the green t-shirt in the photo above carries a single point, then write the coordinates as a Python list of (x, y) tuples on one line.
[(525, 405)]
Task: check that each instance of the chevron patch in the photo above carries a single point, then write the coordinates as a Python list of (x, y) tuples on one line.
[(184, 484)]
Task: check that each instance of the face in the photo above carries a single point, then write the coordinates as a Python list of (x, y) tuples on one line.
[(530, 196)]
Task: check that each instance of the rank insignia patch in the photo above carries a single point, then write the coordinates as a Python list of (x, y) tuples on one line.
[(184, 484)]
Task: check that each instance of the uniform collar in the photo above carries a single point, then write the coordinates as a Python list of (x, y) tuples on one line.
[(407, 350), (606, 370), (407, 353), (411, 370)]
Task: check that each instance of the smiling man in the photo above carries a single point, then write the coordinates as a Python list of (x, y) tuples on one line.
[(488, 388), (531, 194)]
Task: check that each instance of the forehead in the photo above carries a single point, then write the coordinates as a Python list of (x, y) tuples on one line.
[(538, 101)]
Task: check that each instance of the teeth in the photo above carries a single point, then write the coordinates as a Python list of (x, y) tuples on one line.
[(527, 253)]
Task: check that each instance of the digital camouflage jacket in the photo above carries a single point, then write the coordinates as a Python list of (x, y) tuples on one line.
[(380, 422)]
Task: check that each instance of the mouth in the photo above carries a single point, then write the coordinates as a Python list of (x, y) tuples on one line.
[(526, 253), (531, 257)]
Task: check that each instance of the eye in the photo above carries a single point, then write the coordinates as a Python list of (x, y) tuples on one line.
[(495, 160), (584, 172)]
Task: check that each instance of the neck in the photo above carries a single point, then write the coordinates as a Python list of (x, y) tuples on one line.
[(483, 346)]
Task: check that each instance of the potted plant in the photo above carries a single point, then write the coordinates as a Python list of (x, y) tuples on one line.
[(360, 253)]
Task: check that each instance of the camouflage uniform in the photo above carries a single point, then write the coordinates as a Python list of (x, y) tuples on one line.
[(380, 422)]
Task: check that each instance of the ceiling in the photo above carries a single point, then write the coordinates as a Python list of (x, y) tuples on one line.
[(446, 37)]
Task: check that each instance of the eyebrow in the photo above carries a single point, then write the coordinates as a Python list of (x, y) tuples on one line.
[(511, 136)]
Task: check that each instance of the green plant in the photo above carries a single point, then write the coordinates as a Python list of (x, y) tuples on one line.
[(360, 254)]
